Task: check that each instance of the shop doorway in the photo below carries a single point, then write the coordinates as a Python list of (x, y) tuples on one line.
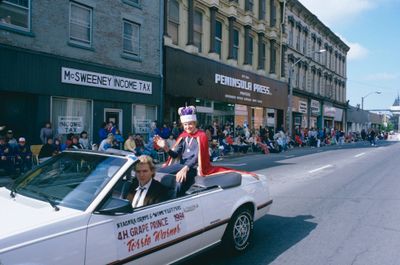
[(115, 116)]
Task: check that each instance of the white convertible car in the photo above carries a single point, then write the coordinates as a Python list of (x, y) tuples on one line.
[(72, 210)]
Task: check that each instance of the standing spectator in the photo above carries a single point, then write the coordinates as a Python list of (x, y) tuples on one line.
[(372, 136), (214, 130), (175, 130), (106, 143), (363, 134), (130, 144), (165, 131), (75, 143), (23, 156), (48, 150), (103, 131), (46, 133), (11, 140), (111, 128), (154, 130), (84, 140)]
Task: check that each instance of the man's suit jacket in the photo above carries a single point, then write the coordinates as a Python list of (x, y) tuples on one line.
[(156, 193)]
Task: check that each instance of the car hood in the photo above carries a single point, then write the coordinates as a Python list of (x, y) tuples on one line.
[(22, 215)]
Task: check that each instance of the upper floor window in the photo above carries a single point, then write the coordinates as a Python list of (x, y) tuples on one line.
[(16, 14), (305, 43), (291, 35), (198, 29), (261, 10), (80, 24), (131, 38), (261, 64), (235, 44), (250, 51), (218, 37), (173, 20), (272, 15), (249, 5), (272, 58)]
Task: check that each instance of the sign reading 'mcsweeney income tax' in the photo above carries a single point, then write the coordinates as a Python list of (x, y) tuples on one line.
[(86, 78)]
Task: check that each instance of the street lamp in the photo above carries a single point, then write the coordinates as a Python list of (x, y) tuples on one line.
[(291, 68), (362, 98)]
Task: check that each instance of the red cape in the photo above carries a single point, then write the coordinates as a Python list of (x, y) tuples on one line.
[(205, 168)]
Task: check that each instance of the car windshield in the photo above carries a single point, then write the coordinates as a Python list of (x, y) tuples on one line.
[(69, 179)]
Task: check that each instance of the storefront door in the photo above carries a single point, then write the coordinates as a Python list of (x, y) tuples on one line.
[(115, 116)]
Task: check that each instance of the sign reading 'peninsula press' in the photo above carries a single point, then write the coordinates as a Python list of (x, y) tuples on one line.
[(86, 78)]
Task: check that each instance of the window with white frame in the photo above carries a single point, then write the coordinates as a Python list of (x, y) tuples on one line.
[(80, 24), (142, 116), (131, 38), (173, 21), (16, 14), (70, 115), (198, 29)]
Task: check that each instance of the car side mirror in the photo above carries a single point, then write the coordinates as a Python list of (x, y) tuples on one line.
[(115, 206)]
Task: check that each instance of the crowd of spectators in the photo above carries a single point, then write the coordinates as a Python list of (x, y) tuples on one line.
[(224, 139)]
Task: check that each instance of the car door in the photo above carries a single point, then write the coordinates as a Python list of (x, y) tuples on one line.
[(156, 234)]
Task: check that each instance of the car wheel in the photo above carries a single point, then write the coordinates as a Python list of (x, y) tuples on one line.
[(238, 233)]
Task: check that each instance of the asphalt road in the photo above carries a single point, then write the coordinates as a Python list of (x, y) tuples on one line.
[(333, 205)]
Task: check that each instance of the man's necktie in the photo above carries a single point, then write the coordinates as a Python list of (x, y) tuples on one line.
[(139, 196)]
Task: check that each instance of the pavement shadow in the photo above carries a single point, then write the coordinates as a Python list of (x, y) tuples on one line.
[(272, 236)]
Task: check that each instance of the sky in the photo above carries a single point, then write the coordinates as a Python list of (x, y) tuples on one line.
[(371, 28)]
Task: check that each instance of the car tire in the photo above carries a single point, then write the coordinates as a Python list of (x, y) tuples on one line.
[(238, 233)]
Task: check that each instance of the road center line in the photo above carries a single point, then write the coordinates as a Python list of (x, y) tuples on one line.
[(318, 169), (360, 154), (232, 164)]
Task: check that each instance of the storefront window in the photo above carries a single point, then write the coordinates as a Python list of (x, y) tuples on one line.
[(142, 116), (256, 117), (241, 115), (70, 115)]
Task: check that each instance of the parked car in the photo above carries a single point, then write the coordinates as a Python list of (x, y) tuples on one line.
[(72, 210)]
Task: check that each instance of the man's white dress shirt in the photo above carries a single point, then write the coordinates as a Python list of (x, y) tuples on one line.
[(140, 194)]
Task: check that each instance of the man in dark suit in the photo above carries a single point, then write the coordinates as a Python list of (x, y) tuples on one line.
[(148, 190)]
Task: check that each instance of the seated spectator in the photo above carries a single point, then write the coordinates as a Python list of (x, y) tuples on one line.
[(214, 150), (75, 143), (107, 143), (145, 149), (260, 145), (298, 141), (240, 144), (84, 141), (129, 144), (118, 139), (6, 157), (58, 146), (23, 156), (48, 150), (272, 148), (171, 141), (148, 190)]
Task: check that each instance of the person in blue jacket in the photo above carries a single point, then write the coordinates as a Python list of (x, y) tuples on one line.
[(23, 156)]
